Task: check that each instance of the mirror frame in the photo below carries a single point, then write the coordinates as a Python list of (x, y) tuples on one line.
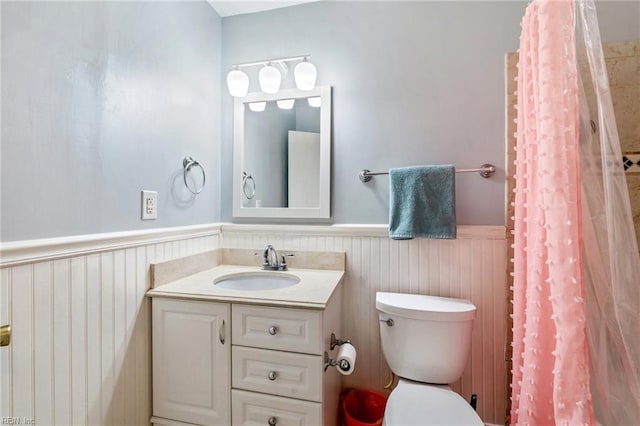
[(323, 211)]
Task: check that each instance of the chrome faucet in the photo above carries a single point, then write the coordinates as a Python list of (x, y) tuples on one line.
[(270, 260)]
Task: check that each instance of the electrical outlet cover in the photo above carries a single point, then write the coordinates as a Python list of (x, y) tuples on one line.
[(149, 205)]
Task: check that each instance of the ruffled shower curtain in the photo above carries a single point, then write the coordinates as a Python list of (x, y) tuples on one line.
[(576, 263)]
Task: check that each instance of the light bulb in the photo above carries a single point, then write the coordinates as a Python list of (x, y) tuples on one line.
[(257, 106), (305, 74), (285, 103), (238, 83), (269, 78), (315, 102)]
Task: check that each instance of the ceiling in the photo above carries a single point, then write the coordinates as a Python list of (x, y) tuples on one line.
[(239, 7)]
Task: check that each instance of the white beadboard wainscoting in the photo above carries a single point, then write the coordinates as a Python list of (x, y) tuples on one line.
[(80, 352), (472, 267)]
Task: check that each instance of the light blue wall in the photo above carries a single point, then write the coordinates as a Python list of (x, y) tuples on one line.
[(103, 99), (413, 83), (99, 101)]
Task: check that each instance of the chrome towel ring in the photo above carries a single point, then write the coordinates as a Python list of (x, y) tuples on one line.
[(245, 182), (189, 163)]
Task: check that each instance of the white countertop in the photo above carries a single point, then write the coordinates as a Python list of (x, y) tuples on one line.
[(313, 291)]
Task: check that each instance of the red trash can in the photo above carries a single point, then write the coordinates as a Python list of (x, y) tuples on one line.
[(364, 408)]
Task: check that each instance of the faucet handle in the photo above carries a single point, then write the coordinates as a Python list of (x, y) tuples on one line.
[(283, 256), (283, 264)]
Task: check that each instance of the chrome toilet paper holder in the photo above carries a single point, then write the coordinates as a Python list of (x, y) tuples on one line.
[(337, 342), (343, 364)]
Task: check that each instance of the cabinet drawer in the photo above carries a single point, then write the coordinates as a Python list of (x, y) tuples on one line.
[(254, 409), (277, 328), (279, 373)]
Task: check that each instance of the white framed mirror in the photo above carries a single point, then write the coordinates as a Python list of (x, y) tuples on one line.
[(282, 154)]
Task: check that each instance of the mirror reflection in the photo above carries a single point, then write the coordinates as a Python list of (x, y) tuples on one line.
[(282, 154), (281, 164)]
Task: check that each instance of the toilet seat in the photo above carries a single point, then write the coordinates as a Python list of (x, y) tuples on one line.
[(420, 404)]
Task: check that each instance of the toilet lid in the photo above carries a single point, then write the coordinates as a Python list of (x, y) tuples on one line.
[(422, 307), (424, 405)]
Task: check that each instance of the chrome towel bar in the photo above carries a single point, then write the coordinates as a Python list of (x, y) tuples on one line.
[(486, 171)]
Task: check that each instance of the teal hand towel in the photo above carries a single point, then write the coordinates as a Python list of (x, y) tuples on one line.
[(422, 202)]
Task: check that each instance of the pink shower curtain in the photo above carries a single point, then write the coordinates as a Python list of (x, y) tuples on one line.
[(550, 365)]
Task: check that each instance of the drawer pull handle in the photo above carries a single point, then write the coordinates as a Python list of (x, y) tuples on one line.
[(273, 330), (273, 421), (221, 333), (272, 375)]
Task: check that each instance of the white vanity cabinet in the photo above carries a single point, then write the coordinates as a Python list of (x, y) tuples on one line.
[(191, 362), (244, 364)]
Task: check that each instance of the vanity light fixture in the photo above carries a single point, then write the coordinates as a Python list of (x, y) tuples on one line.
[(257, 106), (315, 102), (238, 83), (270, 75), (285, 103), (270, 79), (305, 74)]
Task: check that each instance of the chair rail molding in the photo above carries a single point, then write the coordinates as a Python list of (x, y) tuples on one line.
[(30, 251)]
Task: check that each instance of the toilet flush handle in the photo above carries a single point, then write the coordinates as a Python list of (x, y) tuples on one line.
[(388, 321)]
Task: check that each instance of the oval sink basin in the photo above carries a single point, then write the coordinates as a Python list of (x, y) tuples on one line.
[(251, 281)]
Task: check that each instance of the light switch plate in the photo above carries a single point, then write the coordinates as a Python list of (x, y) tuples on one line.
[(149, 205)]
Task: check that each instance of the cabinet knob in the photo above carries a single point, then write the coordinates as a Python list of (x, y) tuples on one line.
[(273, 421), (272, 375), (273, 330)]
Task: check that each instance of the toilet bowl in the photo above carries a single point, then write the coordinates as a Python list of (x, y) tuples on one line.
[(426, 341), (419, 404)]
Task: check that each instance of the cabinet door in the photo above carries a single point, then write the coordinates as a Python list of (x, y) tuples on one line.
[(191, 361)]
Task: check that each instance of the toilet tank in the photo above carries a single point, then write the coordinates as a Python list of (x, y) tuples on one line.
[(428, 338)]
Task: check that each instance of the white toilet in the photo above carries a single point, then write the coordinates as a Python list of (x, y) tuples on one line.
[(426, 342)]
